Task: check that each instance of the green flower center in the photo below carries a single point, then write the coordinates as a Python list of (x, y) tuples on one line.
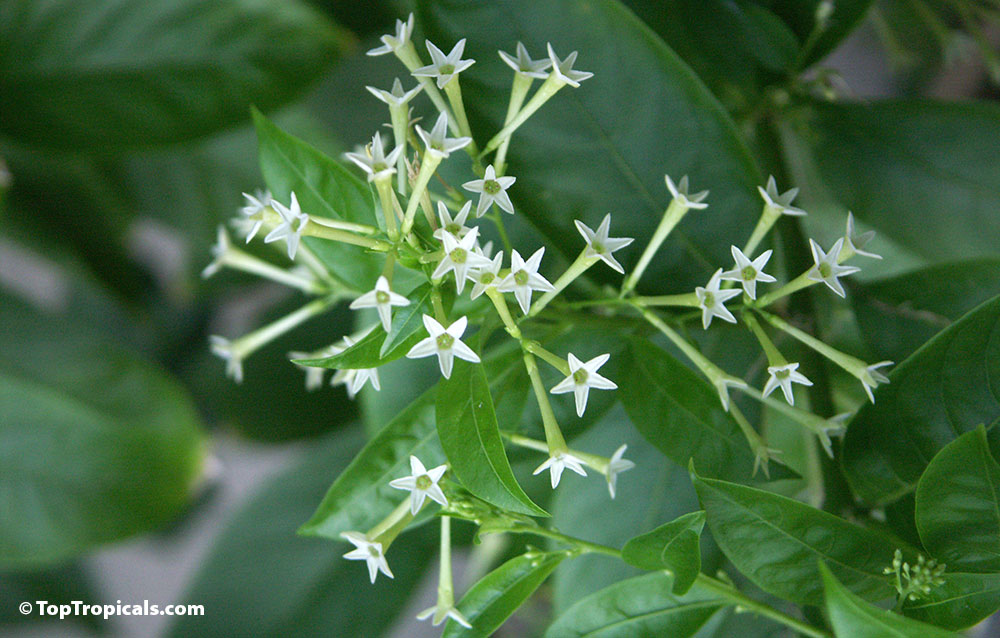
[(580, 376), (825, 270), (598, 248), (453, 228), (784, 373), (749, 273), (378, 167), (447, 69), (708, 299), (521, 278), (373, 551), (424, 482), (445, 341), (458, 256), (381, 297), (491, 187), (487, 278)]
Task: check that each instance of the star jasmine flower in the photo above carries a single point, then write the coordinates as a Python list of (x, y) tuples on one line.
[(437, 143), (397, 96), (617, 465), (871, 377), (749, 272), (444, 67), (712, 301), (780, 202), (383, 299), (783, 377), (353, 380), (374, 161), (293, 222), (582, 377), (491, 189), (827, 270), (680, 193), (445, 343), (854, 242), (558, 462), (422, 483), (314, 375), (368, 551), (563, 69), (252, 220), (224, 349), (524, 65), (487, 276), (219, 252), (599, 245), (441, 614), (455, 226), (459, 256), (524, 278), (392, 43)]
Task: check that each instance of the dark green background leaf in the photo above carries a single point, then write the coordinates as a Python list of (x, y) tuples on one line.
[(962, 601), (673, 546)]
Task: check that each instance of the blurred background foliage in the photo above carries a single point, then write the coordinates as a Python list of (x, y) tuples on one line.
[(125, 139)]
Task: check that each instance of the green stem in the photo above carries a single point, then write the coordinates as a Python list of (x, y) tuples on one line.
[(686, 300), (439, 312), (391, 526), (446, 591), (577, 268), (553, 435), (518, 91), (454, 92), (550, 358), (549, 88), (737, 597), (795, 285), (774, 356), (768, 217), (427, 167), (501, 305), (585, 546), (314, 229), (671, 217), (385, 196), (245, 262), (497, 219)]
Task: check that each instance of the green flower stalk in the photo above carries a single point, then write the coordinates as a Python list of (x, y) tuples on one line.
[(445, 606), (225, 255), (775, 205), (526, 71)]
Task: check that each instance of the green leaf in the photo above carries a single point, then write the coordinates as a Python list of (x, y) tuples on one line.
[(962, 601), (361, 495), (324, 188), (853, 617), (59, 586), (130, 73), (958, 506), (95, 443), (469, 434), (493, 599), (582, 155), (673, 546), (776, 541), (800, 16), (899, 314), (946, 388), (263, 580), (639, 606)]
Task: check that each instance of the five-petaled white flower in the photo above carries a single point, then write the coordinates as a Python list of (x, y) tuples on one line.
[(444, 67), (780, 202), (422, 483), (293, 222), (827, 270), (712, 300), (223, 348), (582, 377), (563, 69), (783, 377), (680, 193), (368, 551), (383, 299), (391, 43), (445, 343), (441, 614), (314, 374), (487, 276), (453, 225), (524, 65), (397, 96), (252, 219), (219, 252), (374, 161), (749, 272), (617, 465), (437, 142), (556, 464), (871, 377), (459, 256), (353, 380), (491, 189), (524, 278), (855, 242), (601, 246)]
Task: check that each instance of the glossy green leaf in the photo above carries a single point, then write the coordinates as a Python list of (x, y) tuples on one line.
[(673, 546), (128, 73), (263, 580), (958, 505), (469, 434), (853, 617), (96, 444), (962, 601), (640, 606), (948, 387), (493, 599), (800, 16), (776, 542), (606, 145), (361, 495)]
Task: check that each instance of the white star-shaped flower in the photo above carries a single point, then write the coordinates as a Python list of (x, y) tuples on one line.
[(783, 377), (871, 377), (440, 614), (459, 257), (444, 67), (780, 202), (437, 142), (374, 161), (383, 299), (487, 276), (855, 242), (250, 211), (617, 465), (749, 272), (368, 551), (563, 69), (445, 343), (491, 189), (524, 65), (582, 377), (397, 96), (680, 193), (314, 375), (601, 246), (353, 380), (223, 348), (712, 300), (556, 464), (453, 225), (524, 278), (219, 252), (422, 483), (391, 43), (293, 222), (827, 270)]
